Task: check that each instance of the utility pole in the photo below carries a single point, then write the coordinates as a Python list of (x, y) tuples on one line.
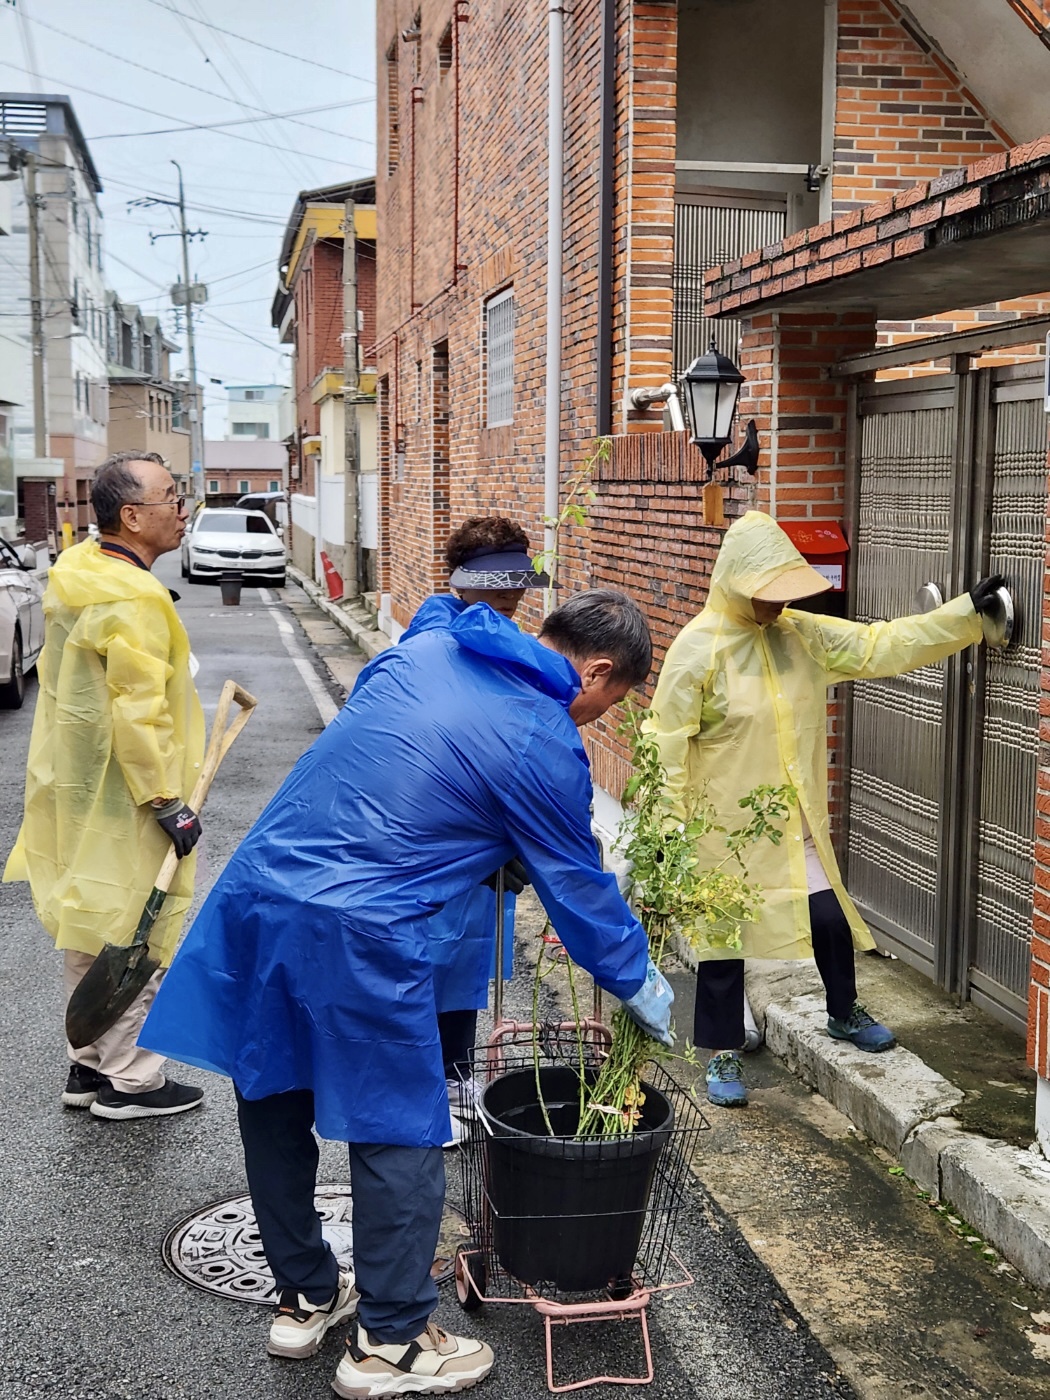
[(188, 294), (196, 412), (36, 312), (351, 389)]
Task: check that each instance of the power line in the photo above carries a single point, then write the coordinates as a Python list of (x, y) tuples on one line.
[(242, 121), (167, 116), (182, 82), (238, 331), (256, 43)]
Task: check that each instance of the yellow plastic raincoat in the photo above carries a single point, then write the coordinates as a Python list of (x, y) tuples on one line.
[(117, 723), (738, 705)]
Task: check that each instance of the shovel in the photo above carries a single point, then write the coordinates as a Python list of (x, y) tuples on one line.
[(120, 972)]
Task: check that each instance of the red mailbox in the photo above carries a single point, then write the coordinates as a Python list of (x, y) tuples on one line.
[(823, 545)]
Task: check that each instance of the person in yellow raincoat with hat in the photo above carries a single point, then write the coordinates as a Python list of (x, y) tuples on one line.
[(118, 739), (742, 701)]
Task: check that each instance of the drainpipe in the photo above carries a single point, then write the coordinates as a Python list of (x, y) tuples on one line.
[(555, 212), (606, 169)]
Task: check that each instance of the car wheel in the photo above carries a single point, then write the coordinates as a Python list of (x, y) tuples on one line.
[(13, 692), (185, 570), (279, 581)]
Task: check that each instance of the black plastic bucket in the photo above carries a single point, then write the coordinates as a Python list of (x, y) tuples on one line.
[(230, 586), (567, 1212)]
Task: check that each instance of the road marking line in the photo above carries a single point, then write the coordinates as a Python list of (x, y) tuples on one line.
[(326, 706)]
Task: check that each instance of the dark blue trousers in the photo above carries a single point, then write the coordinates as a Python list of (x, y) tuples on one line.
[(398, 1192)]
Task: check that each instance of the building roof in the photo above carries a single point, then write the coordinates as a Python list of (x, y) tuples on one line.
[(244, 454), (15, 120)]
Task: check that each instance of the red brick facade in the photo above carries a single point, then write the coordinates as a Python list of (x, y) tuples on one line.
[(462, 215)]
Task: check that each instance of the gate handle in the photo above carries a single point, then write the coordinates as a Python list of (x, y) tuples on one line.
[(999, 623), (928, 597)]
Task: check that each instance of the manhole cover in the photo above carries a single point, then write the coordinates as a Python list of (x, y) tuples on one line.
[(218, 1248)]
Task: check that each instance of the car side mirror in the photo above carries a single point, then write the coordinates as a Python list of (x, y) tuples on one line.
[(27, 558)]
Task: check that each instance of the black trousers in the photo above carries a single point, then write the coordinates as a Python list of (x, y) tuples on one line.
[(399, 1194), (718, 1016), (458, 1031)]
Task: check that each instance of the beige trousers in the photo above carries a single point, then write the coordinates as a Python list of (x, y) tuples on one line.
[(130, 1069)]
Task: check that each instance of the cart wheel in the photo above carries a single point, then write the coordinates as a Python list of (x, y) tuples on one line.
[(470, 1289)]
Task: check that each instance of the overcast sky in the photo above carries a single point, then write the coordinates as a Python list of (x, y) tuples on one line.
[(243, 185)]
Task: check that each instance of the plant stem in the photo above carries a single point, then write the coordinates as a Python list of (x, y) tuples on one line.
[(536, 1033)]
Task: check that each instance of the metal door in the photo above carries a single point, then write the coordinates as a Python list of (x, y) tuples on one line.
[(1000, 866), (949, 483), (901, 540)]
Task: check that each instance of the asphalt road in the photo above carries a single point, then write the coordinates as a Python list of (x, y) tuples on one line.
[(89, 1310)]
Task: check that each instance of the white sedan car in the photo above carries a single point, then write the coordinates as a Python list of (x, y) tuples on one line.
[(229, 541), (22, 584)]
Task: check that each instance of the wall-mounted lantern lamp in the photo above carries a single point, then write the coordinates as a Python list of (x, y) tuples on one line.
[(710, 388)]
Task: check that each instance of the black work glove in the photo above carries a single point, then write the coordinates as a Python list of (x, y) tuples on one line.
[(181, 823), (515, 877), (983, 593)]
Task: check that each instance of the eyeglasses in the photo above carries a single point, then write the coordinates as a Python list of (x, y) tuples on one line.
[(178, 502)]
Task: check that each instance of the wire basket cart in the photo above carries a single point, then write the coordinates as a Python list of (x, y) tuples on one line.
[(579, 1230)]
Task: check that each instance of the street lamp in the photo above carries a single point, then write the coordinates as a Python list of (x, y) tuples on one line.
[(710, 387)]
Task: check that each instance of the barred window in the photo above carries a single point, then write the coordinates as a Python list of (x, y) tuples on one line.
[(499, 359)]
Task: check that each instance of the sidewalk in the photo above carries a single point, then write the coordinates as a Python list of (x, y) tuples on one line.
[(954, 1103), (351, 617)]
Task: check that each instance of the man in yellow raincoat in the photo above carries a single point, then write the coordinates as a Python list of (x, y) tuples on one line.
[(118, 739), (742, 701)]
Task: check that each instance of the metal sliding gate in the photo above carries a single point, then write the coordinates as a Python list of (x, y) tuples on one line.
[(948, 482)]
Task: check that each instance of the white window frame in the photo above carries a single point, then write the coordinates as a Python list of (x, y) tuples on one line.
[(244, 488), (499, 359)]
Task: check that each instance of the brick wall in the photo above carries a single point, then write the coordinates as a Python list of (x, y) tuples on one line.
[(38, 510), (318, 293)]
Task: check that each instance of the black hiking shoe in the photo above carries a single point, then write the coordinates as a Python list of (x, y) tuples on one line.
[(82, 1086), (156, 1103)]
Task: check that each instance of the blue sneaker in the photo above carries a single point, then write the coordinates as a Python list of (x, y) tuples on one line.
[(862, 1030), (725, 1080)]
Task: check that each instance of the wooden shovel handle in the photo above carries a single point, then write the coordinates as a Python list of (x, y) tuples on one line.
[(223, 733)]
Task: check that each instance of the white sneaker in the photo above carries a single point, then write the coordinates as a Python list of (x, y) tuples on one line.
[(463, 1097), (435, 1363), (299, 1326)]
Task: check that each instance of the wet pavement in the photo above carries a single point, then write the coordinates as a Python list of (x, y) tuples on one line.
[(91, 1313)]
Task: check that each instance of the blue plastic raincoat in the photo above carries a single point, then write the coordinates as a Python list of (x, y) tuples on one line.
[(310, 965), (463, 932)]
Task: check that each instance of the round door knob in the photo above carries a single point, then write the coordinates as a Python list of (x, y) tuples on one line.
[(928, 597), (999, 621)]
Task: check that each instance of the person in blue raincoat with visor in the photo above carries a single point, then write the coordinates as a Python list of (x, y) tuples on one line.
[(489, 561), (308, 976)]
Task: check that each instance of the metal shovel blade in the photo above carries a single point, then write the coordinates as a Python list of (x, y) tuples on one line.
[(110, 985)]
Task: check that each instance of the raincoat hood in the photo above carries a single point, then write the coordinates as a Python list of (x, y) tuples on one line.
[(754, 552), (486, 633)]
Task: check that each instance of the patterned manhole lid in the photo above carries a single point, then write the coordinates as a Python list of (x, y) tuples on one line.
[(218, 1248)]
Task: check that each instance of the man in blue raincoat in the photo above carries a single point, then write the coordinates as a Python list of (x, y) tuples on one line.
[(308, 979)]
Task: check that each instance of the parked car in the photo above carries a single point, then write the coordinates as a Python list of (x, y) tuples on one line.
[(22, 583), (225, 540)]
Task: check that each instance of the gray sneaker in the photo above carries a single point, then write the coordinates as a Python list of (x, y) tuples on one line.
[(434, 1363), (299, 1326)]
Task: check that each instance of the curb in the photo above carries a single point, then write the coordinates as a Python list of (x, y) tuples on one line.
[(367, 639), (905, 1107)]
